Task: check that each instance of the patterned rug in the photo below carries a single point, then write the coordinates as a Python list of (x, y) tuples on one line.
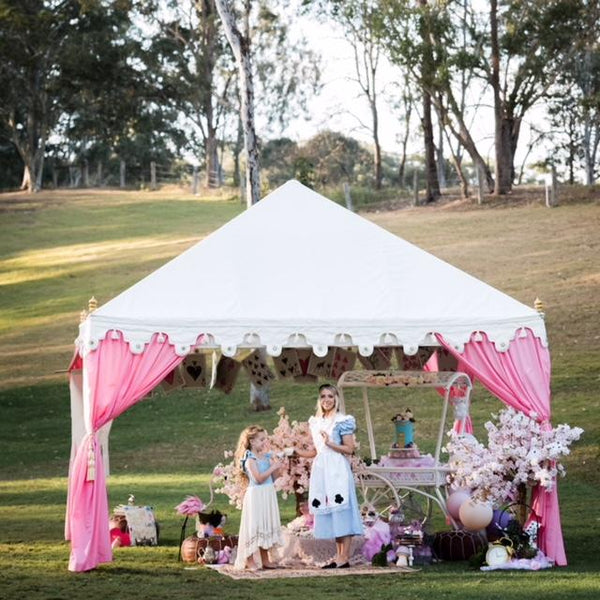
[(308, 571)]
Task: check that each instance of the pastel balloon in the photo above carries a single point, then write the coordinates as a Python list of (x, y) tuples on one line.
[(455, 500), (500, 521), (475, 515)]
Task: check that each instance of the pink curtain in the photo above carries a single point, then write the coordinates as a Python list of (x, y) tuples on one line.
[(114, 380), (520, 377)]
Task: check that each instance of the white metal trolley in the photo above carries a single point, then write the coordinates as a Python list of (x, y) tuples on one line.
[(382, 487)]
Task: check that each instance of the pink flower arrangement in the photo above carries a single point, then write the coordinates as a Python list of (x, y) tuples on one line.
[(191, 506), (295, 478), (519, 451)]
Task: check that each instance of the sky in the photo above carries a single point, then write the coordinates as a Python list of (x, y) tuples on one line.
[(341, 107)]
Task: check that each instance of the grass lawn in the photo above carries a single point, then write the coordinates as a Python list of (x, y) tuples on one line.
[(59, 248)]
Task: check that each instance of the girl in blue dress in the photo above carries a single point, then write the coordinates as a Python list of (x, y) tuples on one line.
[(260, 526), (332, 493)]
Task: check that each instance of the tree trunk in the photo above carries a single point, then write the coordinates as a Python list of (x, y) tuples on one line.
[(377, 151), (212, 158), (503, 126), (441, 167), (432, 186), (26, 180), (211, 145), (240, 45), (407, 100)]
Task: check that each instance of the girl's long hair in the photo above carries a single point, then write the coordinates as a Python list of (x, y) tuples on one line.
[(244, 444), (331, 387)]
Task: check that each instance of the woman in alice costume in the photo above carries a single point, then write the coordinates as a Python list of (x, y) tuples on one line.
[(332, 494)]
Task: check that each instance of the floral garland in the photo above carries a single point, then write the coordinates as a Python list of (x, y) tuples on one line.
[(519, 452)]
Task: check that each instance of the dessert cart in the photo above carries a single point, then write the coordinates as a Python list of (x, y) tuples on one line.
[(404, 478)]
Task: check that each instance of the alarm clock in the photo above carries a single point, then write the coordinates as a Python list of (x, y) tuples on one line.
[(499, 552)]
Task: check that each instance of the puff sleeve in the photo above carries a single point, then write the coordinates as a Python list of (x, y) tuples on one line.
[(347, 426)]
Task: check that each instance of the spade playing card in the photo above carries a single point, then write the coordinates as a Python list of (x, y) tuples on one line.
[(258, 371), (287, 364), (193, 371)]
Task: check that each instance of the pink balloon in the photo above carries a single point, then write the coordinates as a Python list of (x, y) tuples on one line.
[(455, 500), (475, 515)]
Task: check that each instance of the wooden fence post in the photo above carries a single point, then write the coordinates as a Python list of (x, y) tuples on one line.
[(122, 174)]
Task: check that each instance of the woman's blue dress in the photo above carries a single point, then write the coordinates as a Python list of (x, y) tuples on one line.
[(347, 521)]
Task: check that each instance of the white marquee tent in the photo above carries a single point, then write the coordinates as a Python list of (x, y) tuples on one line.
[(295, 270), (297, 263)]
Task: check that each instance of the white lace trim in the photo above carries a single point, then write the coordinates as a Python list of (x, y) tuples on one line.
[(231, 337)]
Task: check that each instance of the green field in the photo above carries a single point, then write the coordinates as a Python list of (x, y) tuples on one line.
[(59, 248)]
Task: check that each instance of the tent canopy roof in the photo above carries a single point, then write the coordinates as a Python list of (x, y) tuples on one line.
[(298, 269)]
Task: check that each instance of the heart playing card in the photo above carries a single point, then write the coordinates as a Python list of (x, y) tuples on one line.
[(258, 371)]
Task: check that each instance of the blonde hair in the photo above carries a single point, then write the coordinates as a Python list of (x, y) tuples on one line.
[(331, 387), (243, 444)]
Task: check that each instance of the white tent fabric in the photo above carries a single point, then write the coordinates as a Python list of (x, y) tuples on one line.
[(297, 269)]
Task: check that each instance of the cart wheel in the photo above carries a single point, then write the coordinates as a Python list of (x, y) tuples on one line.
[(375, 492), (415, 506)]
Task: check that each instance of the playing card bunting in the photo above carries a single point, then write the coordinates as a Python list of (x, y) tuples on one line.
[(257, 368), (227, 372), (320, 366), (446, 361), (172, 381), (193, 371), (304, 355), (287, 364), (380, 359), (343, 361), (414, 362)]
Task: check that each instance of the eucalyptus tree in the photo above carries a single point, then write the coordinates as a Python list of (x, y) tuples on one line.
[(110, 106), (192, 67), (574, 106), (237, 31), (429, 40), (264, 51), (35, 37), (526, 47)]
